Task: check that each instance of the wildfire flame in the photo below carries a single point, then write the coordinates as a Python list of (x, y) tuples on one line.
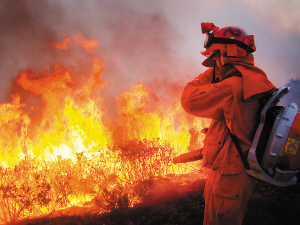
[(60, 149)]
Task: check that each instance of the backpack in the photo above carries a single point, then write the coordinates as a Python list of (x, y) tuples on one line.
[(274, 155)]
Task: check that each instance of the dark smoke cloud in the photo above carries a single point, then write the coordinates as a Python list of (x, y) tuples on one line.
[(24, 38), (137, 42)]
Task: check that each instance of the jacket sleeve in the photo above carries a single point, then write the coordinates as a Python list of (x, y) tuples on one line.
[(203, 99)]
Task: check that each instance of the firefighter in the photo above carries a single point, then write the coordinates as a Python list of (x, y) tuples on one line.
[(230, 93)]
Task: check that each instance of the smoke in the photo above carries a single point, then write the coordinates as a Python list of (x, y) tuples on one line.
[(294, 94), (23, 39), (284, 16), (154, 42), (145, 44), (137, 43)]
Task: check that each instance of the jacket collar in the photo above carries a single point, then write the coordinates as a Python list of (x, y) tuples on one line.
[(255, 81)]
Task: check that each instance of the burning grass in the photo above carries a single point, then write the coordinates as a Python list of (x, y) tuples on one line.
[(268, 205), (34, 188)]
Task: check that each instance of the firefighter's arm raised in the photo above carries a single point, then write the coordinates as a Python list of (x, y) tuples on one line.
[(203, 99)]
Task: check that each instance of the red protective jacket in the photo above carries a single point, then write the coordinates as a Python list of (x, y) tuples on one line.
[(232, 104)]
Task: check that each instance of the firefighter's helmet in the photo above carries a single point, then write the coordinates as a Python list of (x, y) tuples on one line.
[(231, 41)]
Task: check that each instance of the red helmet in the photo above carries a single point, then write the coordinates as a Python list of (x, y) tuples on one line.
[(234, 40)]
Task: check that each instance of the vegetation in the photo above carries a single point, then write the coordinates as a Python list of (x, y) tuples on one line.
[(118, 177), (269, 205)]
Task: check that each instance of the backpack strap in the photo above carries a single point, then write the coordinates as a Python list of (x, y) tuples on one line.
[(262, 102), (238, 147)]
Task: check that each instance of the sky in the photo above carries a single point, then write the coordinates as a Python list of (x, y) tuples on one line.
[(157, 42)]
